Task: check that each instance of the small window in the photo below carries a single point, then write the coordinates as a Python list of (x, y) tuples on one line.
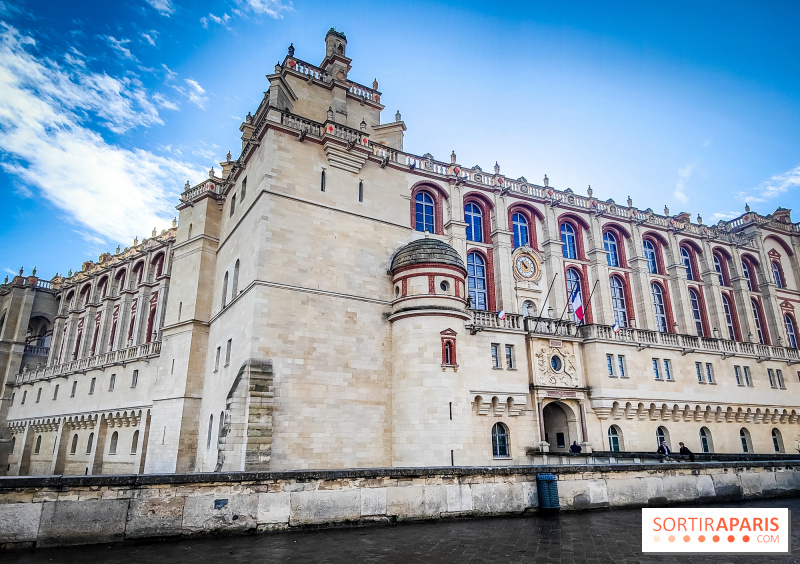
[(744, 436), (699, 368), (777, 275), (38, 445), (210, 427), (112, 382), (448, 353), (500, 441), (322, 182), (233, 205), (38, 395), (709, 373), (91, 385), (114, 439), (655, 369), (216, 359), (556, 363), (771, 376), (747, 379), (610, 364), (444, 286), (738, 373), (55, 392), (706, 444), (510, 357), (74, 447), (495, 355), (777, 440), (228, 352), (613, 439), (360, 190), (135, 377), (667, 371), (779, 376), (244, 189), (621, 365), (135, 442), (74, 389), (24, 397), (89, 443)]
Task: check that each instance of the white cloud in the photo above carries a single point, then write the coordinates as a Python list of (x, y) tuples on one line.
[(716, 216), (683, 174), (170, 73), (163, 7), (195, 93), (162, 102), (271, 8), (772, 188), (150, 37), (119, 46), (112, 192)]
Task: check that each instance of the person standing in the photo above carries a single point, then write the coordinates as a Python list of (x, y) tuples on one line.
[(575, 448)]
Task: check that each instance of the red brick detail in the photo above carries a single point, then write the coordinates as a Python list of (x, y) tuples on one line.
[(404, 291), (428, 265), (579, 225), (621, 234), (667, 305), (764, 328), (784, 245), (531, 214), (703, 311), (490, 279), (787, 305), (449, 338), (485, 206), (437, 194), (737, 332), (457, 287), (629, 298), (658, 243), (431, 284)]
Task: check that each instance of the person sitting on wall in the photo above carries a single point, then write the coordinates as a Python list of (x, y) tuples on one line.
[(575, 448), (686, 452), (663, 449)]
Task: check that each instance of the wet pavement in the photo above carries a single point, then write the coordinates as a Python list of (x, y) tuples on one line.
[(589, 536)]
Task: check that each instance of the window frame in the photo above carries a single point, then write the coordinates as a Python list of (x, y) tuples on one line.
[(791, 330), (611, 246), (697, 313), (420, 206), (474, 217), (472, 267), (499, 448), (651, 255), (777, 274), (619, 304), (663, 316), (568, 232), (520, 222), (686, 258)]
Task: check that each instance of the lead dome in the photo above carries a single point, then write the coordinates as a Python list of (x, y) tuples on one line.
[(426, 251)]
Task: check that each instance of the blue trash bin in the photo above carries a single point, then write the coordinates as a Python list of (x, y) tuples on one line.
[(547, 489)]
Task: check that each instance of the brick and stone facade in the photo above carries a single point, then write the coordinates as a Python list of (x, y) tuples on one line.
[(329, 300)]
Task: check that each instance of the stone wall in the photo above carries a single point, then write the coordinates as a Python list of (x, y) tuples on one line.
[(58, 510)]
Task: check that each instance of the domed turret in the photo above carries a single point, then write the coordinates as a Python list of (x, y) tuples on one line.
[(427, 251)]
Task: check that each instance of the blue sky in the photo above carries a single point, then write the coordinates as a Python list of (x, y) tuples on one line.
[(107, 108)]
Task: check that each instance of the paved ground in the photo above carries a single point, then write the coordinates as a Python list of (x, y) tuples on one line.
[(595, 536)]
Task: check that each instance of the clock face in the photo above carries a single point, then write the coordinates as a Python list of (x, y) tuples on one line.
[(525, 266)]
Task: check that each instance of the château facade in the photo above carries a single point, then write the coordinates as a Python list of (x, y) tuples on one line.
[(329, 300)]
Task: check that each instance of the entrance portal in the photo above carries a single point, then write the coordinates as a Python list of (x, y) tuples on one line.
[(560, 426)]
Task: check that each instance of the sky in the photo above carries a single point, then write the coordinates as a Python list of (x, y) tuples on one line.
[(108, 108)]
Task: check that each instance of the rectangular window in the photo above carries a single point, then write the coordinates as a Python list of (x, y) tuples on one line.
[(74, 388), (244, 189), (699, 367), (655, 369), (495, 355), (610, 364), (38, 395), (216, 360), (510, 356), (667, 371), (779, 376), (709, 373), (112, 382), (24, 397), (228, 352), (738, 373), (771, 376), (360, 191), (172, 370), (91, 386), (233, 205), (55, 392), (748, 381), (621, 365)]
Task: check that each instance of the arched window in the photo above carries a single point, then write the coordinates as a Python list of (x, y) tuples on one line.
[(74, 447), (448, 352), (728, 308), (744, 436), (757, 317), (528, 308), (322, 181), (777, 440), (659, 307), (476, 281), (575, 294), (650, 256), (618, 301), (570, 248), (706, 445), (235, 286), (38, 445), (225, 290), (748, 275), (694, 300), (791, 331), (135, 442), (500, 441), (662, 436), (612, 252), (114, 439), (89, 443), (424, 206), (721, 266), (687, 262), (474, 218), (776, 274), (233, 205), (520, 225), (210, 426), (614, 438)]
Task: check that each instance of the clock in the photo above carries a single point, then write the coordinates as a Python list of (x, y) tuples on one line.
[(526, 267)]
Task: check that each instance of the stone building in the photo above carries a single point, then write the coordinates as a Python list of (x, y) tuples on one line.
[(330, 301)]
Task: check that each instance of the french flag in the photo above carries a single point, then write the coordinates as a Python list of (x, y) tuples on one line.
[(576, 302)]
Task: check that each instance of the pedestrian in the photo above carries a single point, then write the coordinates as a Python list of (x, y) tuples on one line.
[(686, 452), (575, 448), (663, 449)]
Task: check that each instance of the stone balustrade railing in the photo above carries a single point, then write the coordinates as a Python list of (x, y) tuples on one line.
[(145, 350), (39, 351)]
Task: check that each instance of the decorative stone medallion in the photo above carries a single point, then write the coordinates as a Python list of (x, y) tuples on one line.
[(556, 367)]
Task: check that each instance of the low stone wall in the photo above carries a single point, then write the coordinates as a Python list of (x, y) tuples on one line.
[(61, 510)]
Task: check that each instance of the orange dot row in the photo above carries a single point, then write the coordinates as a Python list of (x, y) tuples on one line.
[(702, 538)]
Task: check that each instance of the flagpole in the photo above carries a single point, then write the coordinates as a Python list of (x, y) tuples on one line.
[(589, 301), (586, 307), (550, 289)]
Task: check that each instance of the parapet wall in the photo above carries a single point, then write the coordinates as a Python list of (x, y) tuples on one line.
[(61, 510)]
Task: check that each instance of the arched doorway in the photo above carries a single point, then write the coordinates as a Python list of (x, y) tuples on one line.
[(560, 426)]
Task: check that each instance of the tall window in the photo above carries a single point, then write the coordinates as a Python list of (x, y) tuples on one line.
[(574, 291), (705, 440), (322, 181), (210, 426), (661, 436), (744, 436), (225, 290), (748, 274), (728, 308), (650, 256), (74, 448), (570, 248), (776, 274), (777, 440), (114, 439), (613, 439), (476, 281), (791, 331), (687, 262), (520, 225), (424, 212), (500, 441), (89, 443), (694, 300), (618, 301), (757, 316), (474, 218), (235, 287), (612, 251), (658, 306)]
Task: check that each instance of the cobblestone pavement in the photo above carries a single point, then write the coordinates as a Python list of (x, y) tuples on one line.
[(593, 536)]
